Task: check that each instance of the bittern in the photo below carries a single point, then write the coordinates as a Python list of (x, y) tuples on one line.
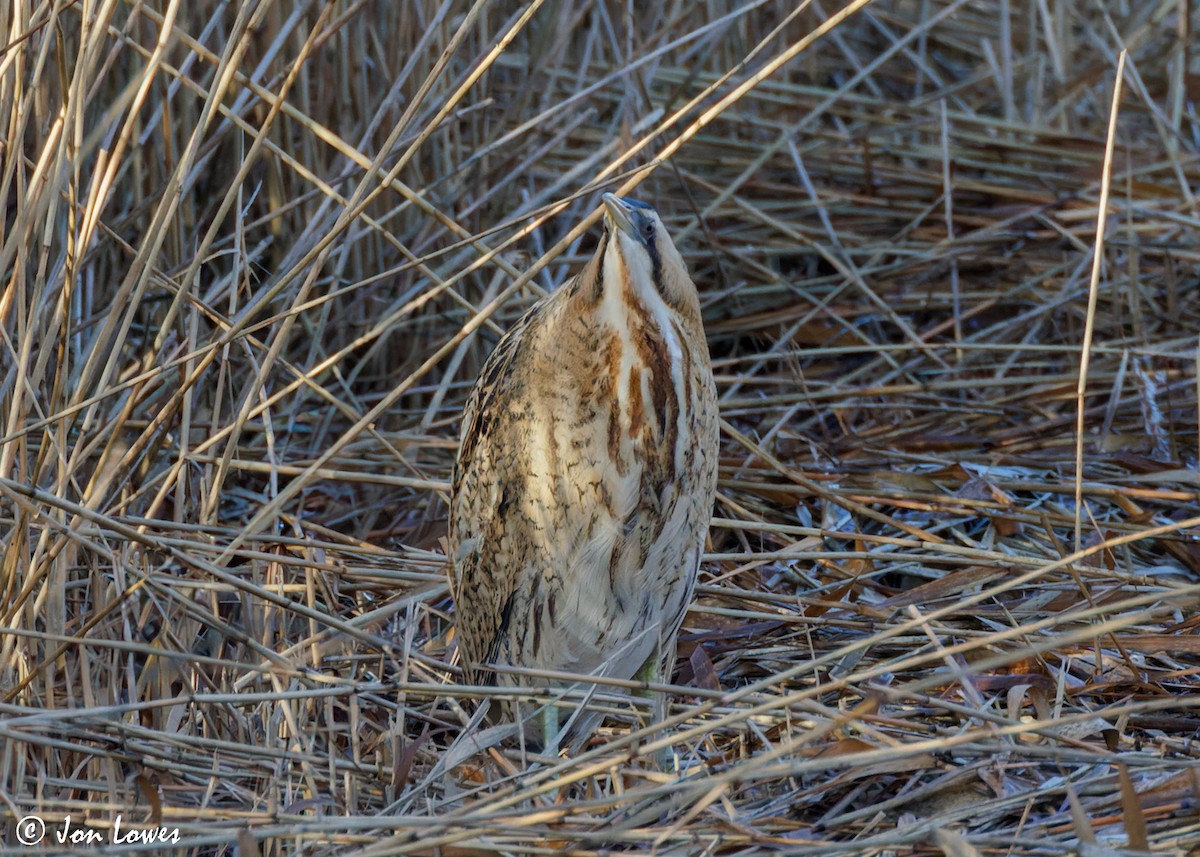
[(583, 487)]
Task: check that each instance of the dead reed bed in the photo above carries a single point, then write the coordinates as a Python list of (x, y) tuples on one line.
[(254, 254)]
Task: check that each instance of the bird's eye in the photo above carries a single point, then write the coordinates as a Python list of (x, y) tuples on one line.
[(648, 229)]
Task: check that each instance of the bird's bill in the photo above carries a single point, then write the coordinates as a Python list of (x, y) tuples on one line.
[(618, 213)]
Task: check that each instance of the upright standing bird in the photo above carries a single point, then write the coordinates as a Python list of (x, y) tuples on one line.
[(584, 482)]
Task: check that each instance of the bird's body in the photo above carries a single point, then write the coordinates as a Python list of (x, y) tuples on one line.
[(583, 487)]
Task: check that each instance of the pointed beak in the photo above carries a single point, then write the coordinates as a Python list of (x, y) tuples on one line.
[(618, 213)]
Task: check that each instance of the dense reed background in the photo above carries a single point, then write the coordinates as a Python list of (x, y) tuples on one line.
[(253, 257)]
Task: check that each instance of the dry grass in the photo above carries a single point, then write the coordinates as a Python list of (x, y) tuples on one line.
[(254, 254)]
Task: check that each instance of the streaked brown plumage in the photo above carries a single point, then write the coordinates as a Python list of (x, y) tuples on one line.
[(583, 487)]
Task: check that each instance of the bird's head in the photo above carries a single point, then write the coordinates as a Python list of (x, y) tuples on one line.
[(639, 245)]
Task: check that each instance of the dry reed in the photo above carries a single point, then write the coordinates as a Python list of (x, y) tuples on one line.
[(253, 255)]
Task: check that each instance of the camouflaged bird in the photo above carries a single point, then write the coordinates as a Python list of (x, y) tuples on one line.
[(583, 487)]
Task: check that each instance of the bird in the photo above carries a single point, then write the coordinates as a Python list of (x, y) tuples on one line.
[(583, 486)]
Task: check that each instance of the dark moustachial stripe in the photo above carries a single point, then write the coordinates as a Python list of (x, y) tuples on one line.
[(655, 264)]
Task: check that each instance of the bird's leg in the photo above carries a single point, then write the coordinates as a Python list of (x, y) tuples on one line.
[(651, 672), (548, 715)]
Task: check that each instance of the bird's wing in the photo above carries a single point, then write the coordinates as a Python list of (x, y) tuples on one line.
[(483, 485)]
